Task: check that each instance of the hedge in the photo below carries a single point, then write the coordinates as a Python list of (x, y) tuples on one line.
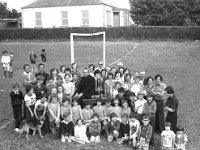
[(128, 33)]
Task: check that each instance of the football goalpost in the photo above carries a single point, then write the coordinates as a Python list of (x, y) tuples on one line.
[(87, 35)]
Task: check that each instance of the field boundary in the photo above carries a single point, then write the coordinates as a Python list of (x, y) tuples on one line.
[(127, 54)]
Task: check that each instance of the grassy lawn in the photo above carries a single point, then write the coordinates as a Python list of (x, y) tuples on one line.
[(177, 62)]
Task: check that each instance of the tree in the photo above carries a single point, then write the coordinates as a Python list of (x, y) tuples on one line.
[(6, 13), (165, 12)]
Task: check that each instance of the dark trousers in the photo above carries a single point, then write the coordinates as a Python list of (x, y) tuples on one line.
[(172, 118), (17, 112), (160, 123), (152, 123)]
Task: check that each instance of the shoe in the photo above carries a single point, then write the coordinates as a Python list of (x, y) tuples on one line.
[(17, 129)]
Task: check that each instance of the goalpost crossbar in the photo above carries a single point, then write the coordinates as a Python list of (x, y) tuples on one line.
[(86, 35)]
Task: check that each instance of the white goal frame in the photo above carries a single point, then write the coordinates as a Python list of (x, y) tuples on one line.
[(86, 35)]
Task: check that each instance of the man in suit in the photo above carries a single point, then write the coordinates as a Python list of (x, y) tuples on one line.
[(86, 87)]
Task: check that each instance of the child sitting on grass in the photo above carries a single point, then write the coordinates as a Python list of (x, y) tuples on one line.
[(134, 129), (80, 133), (95, 129), (181, 138), (87, 114), (54, 114), (167, 137), (66, 128), (124, 129), (112, 128), (145, 134)]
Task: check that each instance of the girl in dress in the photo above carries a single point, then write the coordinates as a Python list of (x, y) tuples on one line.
[(76, 111), (54, 113), (80, 133)]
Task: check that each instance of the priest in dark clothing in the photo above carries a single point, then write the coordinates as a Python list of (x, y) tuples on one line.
[(41, 69), (86, 87)]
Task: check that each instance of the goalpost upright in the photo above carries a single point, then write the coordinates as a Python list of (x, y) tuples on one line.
[(88, 34)]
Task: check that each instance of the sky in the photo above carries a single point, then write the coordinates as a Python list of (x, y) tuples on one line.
[(17, 4)]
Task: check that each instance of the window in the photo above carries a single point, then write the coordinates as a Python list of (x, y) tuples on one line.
[(108, 15), (38, 19), (85, 17), (64, 18), (126, 18)]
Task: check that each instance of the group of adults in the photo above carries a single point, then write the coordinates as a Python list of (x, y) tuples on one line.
[(95, 81)]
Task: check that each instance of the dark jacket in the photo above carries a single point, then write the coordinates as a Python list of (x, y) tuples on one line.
[(16, 98), (86, 86)]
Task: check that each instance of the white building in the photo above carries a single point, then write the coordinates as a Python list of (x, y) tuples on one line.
[(73, 13)]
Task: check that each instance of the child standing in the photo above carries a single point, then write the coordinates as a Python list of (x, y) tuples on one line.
[(181, 138), (80, 133), (167, 137), (66, 128), (54, 114), (125, 108), (139, 105), (112, 128), (30, 99), (150, 110), (43, 55), (117, 109), (95, 129), (33, 59), (100, 111), (134, 129), (145, 134), (5, 60), (108, 85), (65, 109), (17, 98), (40, 112), (76, 111), (87, 113), (69, 87)]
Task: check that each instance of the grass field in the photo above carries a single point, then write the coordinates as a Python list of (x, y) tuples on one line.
[(177, 62)]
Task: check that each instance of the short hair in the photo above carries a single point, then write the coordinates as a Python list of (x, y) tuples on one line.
[(53, 96), (179, 128), (147, 80), (59, 77), (97, 72), (118, 83), (68, 69), (50, 78), (74, 64), (103, 70), (126, 69), (53, 69), (15, 84), (121, 90), (75, 73), (79, 120), (95, 115), (40, 77), (43, 50), (86, 69), (127, 94), (41, 64), (4, 52), (62, 67), (168, 123), (169, 90), (157, 76), (121, 68), (110, 74), (28, 88), (117, 73), (25, 65), (92, 66)]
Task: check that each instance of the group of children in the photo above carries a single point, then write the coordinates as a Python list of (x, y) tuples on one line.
[(128, 115)]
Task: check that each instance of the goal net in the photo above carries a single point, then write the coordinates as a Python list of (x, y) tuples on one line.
[(87, 48)]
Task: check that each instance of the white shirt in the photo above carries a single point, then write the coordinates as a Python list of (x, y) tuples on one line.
[(136, 88), (139, 104), (5, 60), (40, 106), (69, 88), (133, 125), (80, 132), (168, 137), (30, 100)]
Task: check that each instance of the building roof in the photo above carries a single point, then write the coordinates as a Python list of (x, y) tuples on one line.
[(60, 3)]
